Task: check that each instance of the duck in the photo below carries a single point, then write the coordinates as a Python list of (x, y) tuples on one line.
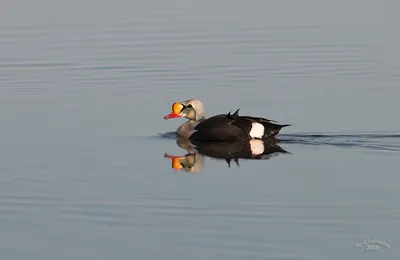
[(222, 127)]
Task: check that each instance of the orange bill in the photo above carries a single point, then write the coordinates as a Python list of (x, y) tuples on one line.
[(176, 110)]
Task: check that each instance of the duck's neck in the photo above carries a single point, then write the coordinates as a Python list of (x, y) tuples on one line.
[(187, 129)]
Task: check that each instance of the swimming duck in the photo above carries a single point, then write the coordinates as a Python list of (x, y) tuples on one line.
[(223, 127)]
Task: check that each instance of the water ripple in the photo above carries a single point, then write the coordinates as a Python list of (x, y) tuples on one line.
[(375, 142)]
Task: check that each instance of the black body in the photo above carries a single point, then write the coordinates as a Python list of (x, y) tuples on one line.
[(232, 127)]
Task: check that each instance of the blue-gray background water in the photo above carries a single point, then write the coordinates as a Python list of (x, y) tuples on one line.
[(84, 86)]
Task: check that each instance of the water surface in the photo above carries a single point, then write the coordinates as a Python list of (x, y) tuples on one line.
[(84, 88)]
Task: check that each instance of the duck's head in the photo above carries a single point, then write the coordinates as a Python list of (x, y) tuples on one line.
[(191, 109)]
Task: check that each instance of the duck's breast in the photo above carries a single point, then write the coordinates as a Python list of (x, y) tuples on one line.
[(187, 129)]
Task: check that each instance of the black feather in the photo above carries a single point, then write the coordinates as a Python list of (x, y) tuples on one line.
[(243, 124), (232, 127)]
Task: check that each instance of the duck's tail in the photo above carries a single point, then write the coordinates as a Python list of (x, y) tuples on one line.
[(272, 129), (282, 126)]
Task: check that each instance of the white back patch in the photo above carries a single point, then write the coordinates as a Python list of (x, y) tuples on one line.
[(257, 130), (257, 147)]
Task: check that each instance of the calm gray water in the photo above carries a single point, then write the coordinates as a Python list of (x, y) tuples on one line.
[(84, 86)]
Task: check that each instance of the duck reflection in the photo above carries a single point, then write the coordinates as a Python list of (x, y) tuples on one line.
[(193, 161)]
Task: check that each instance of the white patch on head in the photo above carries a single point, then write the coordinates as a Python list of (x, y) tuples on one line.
[(257, 130), (256, 147)]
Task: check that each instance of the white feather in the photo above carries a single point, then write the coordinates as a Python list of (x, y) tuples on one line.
[(257, 147), (257, 130)]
